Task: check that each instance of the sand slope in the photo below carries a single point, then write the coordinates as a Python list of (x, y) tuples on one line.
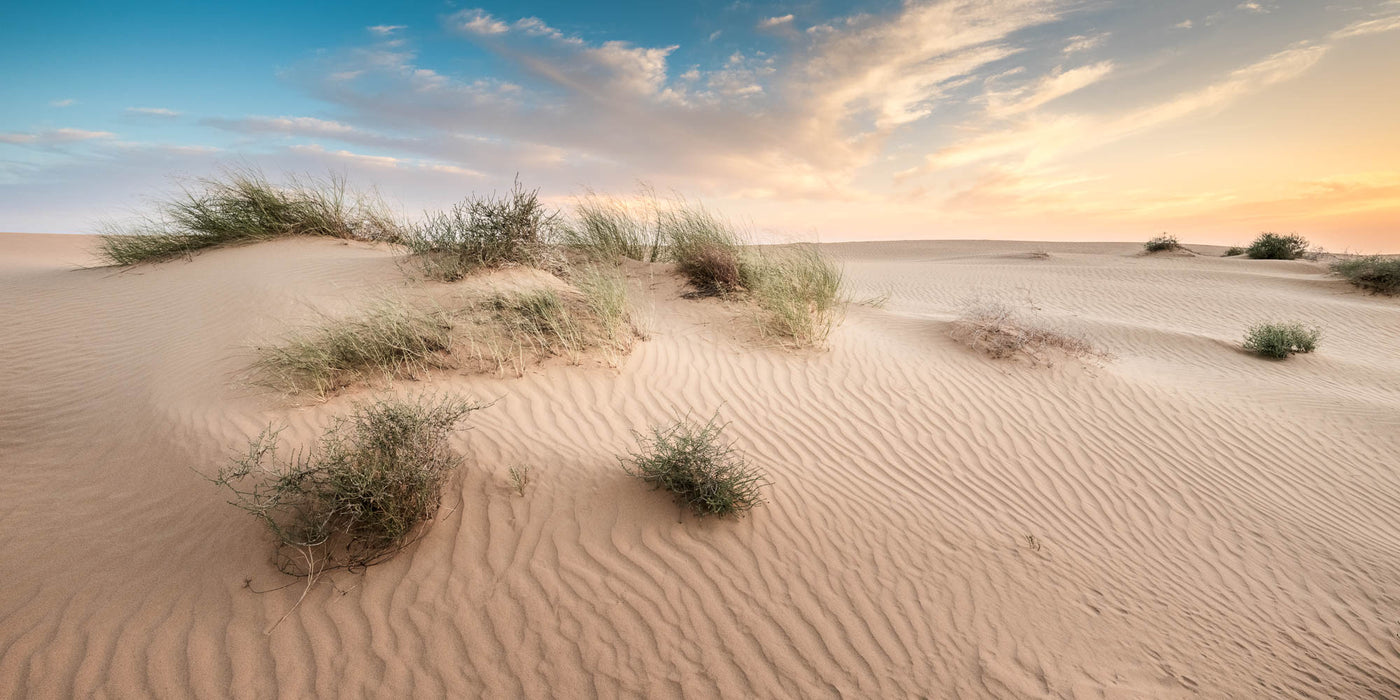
[(1184, 521)]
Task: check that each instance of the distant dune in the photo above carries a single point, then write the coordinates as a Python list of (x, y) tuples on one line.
[(1181, 520)]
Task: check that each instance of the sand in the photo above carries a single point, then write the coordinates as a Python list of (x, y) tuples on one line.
[(1185, 520)]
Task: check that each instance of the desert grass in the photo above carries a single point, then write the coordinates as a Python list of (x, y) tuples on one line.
[(1279, 340), (607, 228), (243, 206), (483, 231), (1164, 242), (1373, 273), (606, 299), (393, 338), (372, 481), (706, 248), (703, 472), (1275, 246), (797, 290), (999, 331)]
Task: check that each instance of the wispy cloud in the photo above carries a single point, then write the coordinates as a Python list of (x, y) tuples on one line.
[(385, 29), (771, 22), (67, 102), (55, 136), (159, 112)]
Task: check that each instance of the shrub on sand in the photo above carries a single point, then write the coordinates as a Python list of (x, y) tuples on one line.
[(705, 248), (244, 207), (1161, 243), (797, 290), (392, 337), (482, 231), (1279, 340), (1373, 273), (1232, 251), (1274, 246), (606, 228), (374, 479), (704, 473), (998, 331)]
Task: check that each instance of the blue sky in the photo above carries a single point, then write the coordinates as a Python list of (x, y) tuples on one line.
[(1036, 119)]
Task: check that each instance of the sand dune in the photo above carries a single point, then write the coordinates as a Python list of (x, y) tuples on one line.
[(1183, 521)]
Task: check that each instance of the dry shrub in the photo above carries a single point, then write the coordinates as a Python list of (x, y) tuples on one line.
[(999, 331), (483, 231), (703, 472)]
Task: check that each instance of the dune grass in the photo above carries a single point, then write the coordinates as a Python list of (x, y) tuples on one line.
[(607, 228), (1276, 246), (242, 206), (1373, 273), (391, 338), (702, 472), (373, 480), (606, 299), (1161, 243), (1279, 340), (706, 248), (999, 331), (483, 231), (798, 293)]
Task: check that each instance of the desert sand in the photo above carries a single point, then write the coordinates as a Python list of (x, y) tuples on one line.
[(1184, 520)]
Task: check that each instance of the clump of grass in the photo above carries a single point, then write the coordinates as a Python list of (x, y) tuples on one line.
[(483, 231), (1374, 273), (540, 318), (1275, 246), (392, 337), (704, 473), (244, 207), (1161, 243), (706, 248), (1000, 332), (519, 478), (797, 290), (375, 477), (605, 297), (607, 228), (1279, 340), (1232, 251)]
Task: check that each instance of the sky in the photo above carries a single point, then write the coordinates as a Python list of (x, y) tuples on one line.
[(1011, 119)]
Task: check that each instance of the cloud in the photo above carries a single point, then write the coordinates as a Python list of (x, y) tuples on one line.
[(1184, 24), (55, 136), (772, 22), (160, 112), (1045, 90), (1256, 7), (287, 126), (1076, 44), (385, 29), (69, 102), (478, 22)]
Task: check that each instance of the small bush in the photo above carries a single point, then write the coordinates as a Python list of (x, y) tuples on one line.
[(1232, 251), (373, 480), (998, 331), (1161, 243), (392, 337), (244, 207), (703, 473), (606, 229), (797, 290), (1274, 246), (1279, 340), (705, 248), (1373, 273), (485, 231)]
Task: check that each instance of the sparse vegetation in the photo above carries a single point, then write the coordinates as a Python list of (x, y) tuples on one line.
[(797, 290), (704, 473), (483, 231), (519, 478), (393, 337), (1275, 246), (999, 331), (607, 228), (1279, 340), (1373, 273), (375, 477), (705, 248), (1161, 243), (244, 207), (605, 296), (1232, 251)]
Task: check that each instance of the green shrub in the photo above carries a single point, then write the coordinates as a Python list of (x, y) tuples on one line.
[(1232, 251), (1374, 273), (243, 207), (703, 473), (797, 290), (705, 248), (606, 229), (1279, 340), (482, 231), (1161, 243), (374, 479), (392, 337), (1274, 246)]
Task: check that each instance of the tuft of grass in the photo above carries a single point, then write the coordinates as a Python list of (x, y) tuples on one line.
[(1373, 273), (1232, 251), (999, 331), (605, 297), (706, 248), (542, 319), (1279, 340), (244, 207), (519, 478), (797, 290), (373, 480), (483, 231), (392, 337), (1162, 243), (1275, 246), (704, 473), (606, 228)]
